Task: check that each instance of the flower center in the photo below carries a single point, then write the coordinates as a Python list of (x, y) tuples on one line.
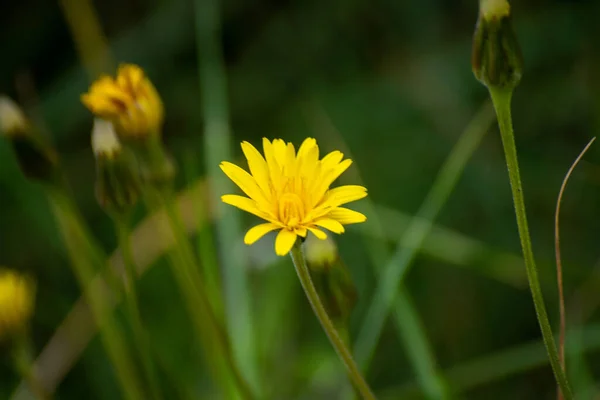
[(291, 210)]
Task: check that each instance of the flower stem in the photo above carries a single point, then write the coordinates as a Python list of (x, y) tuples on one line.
[(22, 359), (86, 260), (502, 104), (334, 337), (188, 278), (133, 308)]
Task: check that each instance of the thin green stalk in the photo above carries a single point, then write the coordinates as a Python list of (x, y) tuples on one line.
[(131, 298), (391, 276), (188, 278), (23, 363), (85, 264), (335, 339), (502, 104), (217, 147)]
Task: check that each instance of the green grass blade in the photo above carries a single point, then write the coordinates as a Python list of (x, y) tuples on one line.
[(409, 244), (217, 146)]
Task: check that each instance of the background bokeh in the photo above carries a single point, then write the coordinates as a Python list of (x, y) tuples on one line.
[(391, 82)]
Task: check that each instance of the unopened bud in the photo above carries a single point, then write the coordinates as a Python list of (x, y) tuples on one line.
[(12, 119), (330, 277), (117, 183), (320, 254), (17, 294), (496, 56), (37, 159)]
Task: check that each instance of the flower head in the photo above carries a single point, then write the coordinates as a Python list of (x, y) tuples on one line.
[(291, 191), (129, 101), (16, 302)]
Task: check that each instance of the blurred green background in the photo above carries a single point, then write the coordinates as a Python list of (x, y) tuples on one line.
[(391, 82)]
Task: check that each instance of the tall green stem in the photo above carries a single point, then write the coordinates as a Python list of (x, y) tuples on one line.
[(131, 298), (188, 278), (502, 104), (86, 261), (327, 324)]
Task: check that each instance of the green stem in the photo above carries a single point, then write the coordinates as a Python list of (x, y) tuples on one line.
[(23, 362), (131, 299), (334, 337), (85, 262), (502, 104), (188, 277)]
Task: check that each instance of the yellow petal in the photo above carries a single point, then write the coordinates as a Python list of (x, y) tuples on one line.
[(284, 242), (318, 233), (274, 168), (328, 178), (300, 231), (245, 181), (258, 231), (245, 204), (279, 152), (330, 224), (258, 168), (346, 216), (344, 194), (331, 160)]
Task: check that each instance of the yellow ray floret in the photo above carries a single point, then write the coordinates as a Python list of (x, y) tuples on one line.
[(291, 191), (129, 101), (16, 301)]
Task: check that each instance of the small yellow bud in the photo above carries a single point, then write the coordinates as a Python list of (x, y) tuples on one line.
[(129, 101), (496, 57), (17, 296), (117, 183), (12, 119)]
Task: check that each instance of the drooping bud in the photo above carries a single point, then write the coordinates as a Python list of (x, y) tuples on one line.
[(496, 56), (330, 277), (37, 159), (17, 296), (117, 183)]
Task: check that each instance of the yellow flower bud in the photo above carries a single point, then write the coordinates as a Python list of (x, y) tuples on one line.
[(129, 101), (16, 302), (496, 57)]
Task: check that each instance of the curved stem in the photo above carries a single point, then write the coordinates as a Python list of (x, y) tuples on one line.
[(502, 102), (133, 308), (334, 337)]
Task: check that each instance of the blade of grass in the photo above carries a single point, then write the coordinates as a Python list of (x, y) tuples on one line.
[(217, 144), (393, 273), (503, 364)]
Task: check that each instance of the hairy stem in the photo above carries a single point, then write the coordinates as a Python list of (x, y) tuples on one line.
[(502, 104)]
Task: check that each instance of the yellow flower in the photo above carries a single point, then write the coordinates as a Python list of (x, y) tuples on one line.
[(129, 101), (16, 302), (291, 192)]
